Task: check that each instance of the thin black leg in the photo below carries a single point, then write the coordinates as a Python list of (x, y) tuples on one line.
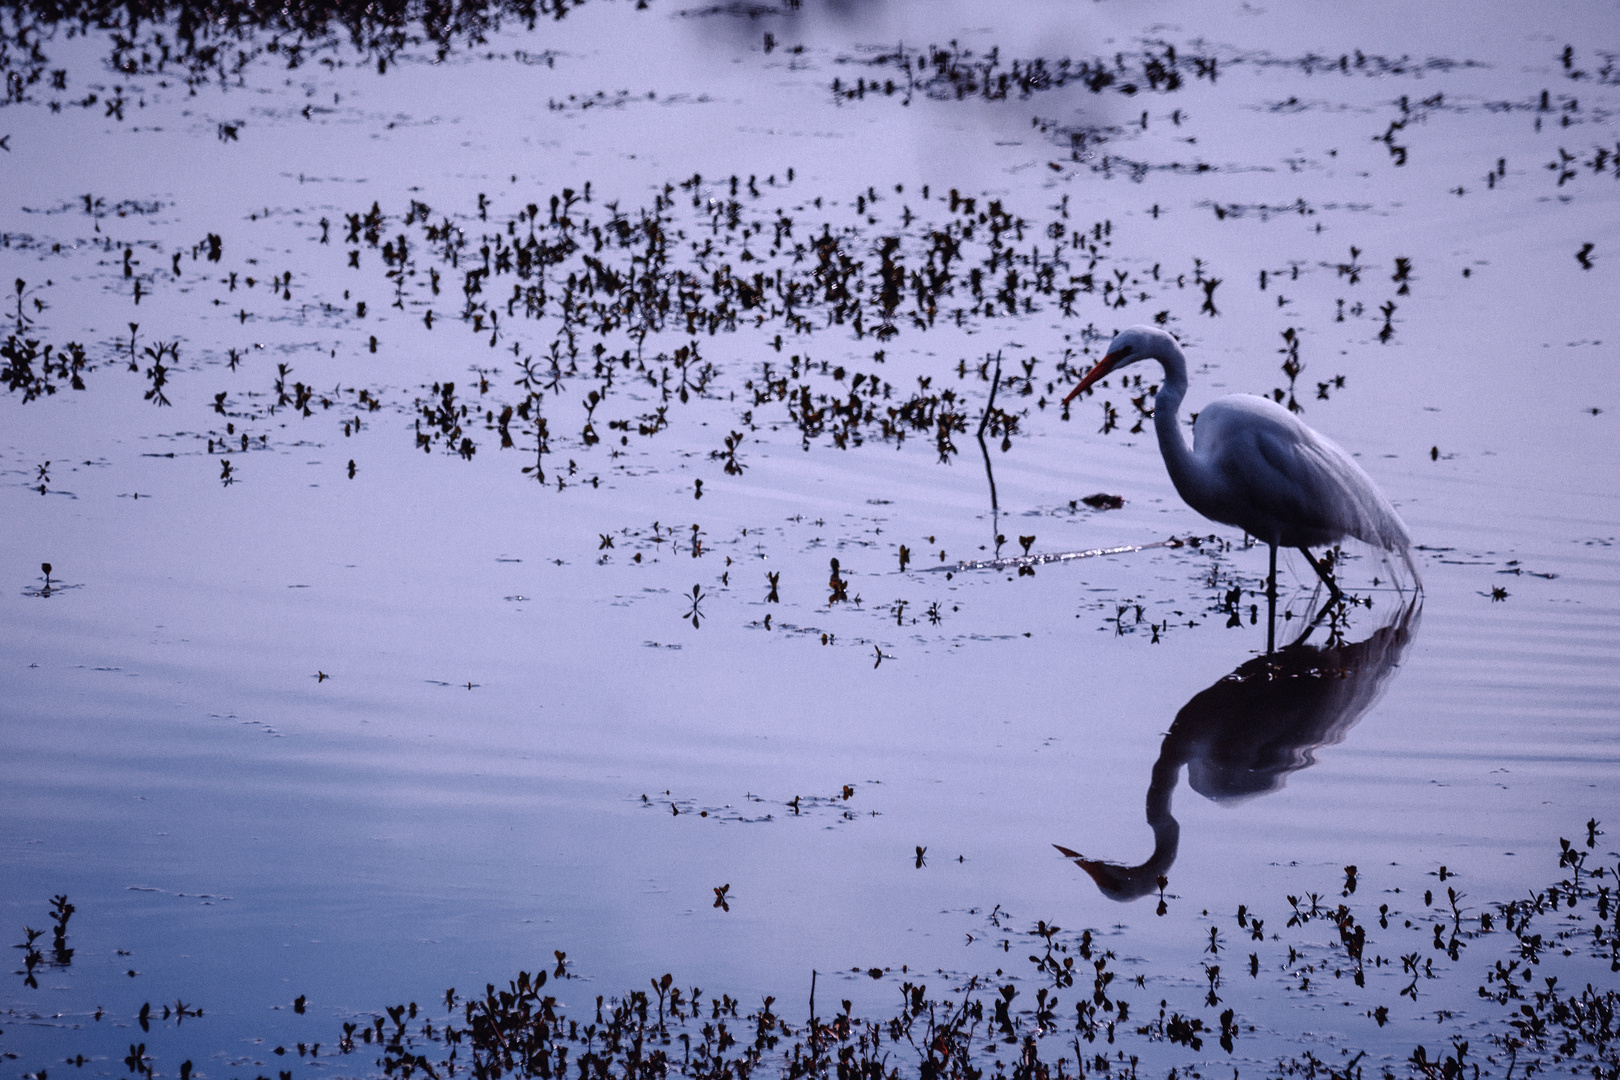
[(1271, 603), (1327, 579)]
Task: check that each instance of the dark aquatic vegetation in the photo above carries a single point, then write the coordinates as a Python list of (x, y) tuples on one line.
[(956, 73), (839, 587), (606, 285), (521, 1032), (970, 1030), (627, 279), (67, 364), (204, 41)]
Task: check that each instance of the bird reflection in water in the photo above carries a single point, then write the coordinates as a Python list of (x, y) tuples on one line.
[(1244, 735)]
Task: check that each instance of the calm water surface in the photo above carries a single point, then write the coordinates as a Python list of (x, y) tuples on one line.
[(365, 737)]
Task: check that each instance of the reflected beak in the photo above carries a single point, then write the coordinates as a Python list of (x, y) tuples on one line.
[(1106, 875), (1104, 366), (1115, 881)]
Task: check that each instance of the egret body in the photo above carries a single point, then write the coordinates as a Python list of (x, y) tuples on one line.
[(1256, 466)]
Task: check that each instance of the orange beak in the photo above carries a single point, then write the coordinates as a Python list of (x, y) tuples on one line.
[(1104, 366)]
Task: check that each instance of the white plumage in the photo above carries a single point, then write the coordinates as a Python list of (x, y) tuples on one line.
[(1255, 466)]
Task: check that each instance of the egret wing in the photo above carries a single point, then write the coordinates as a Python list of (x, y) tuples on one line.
[(1298, 487)]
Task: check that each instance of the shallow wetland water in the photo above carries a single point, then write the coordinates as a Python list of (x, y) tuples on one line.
[(505, 505)]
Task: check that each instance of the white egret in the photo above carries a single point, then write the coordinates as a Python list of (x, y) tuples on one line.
[(1255, 466)]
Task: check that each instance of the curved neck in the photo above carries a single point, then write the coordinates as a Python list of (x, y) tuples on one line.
[(1178, 457), (1166, 830), (1130, 882)]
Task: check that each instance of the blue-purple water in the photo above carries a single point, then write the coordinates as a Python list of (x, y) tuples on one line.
[(365, 737)]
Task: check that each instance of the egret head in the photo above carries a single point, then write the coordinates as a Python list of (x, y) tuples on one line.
[(1123, 883), (1128, 346)]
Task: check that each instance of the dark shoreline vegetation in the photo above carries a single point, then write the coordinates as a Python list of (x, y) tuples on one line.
[(1067, 1015), (201, 43), (216, 40)]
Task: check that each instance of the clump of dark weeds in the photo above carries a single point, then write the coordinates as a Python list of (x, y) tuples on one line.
[(626, 298), (215, 41), (1067, 1016), (974, 1030)]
